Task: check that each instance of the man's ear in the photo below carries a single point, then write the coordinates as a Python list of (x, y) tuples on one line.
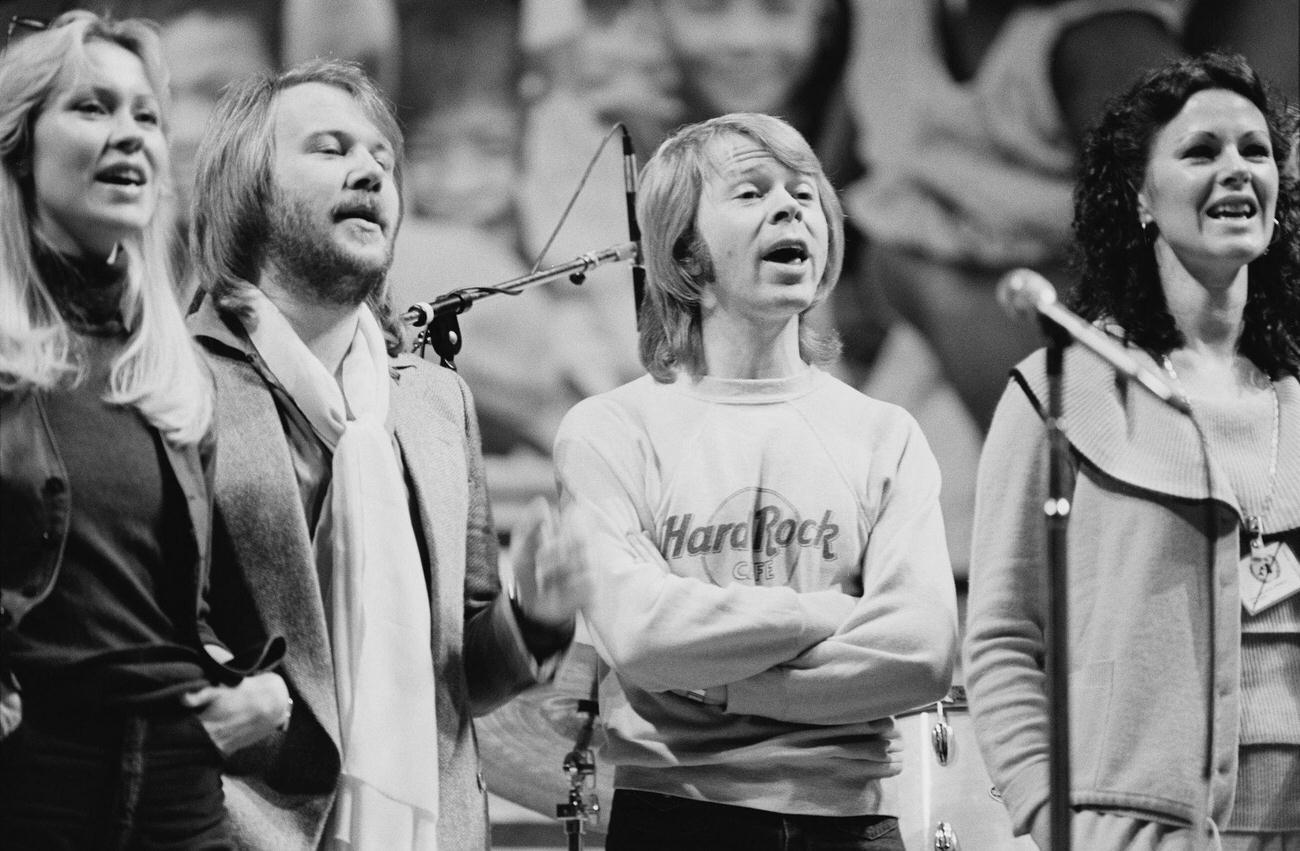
[(692, 257), (708, 297)]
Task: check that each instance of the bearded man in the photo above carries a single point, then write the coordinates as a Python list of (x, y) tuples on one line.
[(350, 492)]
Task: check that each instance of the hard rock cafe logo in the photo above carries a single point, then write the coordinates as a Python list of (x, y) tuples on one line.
[(755, 536)]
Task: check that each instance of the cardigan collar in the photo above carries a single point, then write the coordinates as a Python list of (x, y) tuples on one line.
[(1132, 437)]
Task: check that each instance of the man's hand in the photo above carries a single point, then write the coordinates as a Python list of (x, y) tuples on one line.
[(238, 716), (551, 579)]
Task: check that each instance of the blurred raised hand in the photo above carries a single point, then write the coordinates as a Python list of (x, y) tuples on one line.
[(552, 581)]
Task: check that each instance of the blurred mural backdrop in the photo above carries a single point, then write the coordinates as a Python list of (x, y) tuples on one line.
[(950, 127)]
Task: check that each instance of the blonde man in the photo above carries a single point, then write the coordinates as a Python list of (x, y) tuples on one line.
[(771, 582)]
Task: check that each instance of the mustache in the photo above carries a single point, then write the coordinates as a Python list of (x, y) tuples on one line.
[(360, 205)]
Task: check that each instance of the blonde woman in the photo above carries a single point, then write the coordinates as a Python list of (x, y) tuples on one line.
[(119, 699)]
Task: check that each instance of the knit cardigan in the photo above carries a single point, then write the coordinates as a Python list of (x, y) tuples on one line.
[(1152, 557)]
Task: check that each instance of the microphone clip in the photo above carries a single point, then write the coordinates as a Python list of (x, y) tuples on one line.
[(443, 333)]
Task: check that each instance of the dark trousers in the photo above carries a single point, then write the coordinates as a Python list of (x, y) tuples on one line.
[(649, 821), (111, 781)]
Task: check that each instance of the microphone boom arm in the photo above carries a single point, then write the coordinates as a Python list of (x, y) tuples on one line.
[(1119, 360), (455, 302), (1025, 292)]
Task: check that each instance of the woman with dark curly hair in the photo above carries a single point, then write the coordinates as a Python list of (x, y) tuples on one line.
[(1184, 621)]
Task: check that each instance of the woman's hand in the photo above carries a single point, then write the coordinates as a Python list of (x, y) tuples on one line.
[(238, 716)]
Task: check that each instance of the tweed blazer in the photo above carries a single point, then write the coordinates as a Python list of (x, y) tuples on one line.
[(279, 792)]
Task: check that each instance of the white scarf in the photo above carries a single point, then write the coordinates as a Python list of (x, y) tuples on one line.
[(380, 625)]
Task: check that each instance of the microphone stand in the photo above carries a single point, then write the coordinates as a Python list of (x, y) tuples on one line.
[(437, 318), (583, 805), (1056, 512), (1021, 291)]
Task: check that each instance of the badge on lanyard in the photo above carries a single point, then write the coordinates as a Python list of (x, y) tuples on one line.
[(1268, 574)]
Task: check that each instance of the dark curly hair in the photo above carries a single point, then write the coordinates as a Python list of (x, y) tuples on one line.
[(1117, 279)]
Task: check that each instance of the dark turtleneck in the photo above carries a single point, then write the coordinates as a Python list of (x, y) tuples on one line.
[(88, 290)]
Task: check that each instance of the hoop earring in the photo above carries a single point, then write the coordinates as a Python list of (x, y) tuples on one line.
[(1277, 232)]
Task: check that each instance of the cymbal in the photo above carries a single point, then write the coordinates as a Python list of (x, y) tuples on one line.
[(523, 743)]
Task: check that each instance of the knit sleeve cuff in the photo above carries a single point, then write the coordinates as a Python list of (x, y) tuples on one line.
[(1025, 795)]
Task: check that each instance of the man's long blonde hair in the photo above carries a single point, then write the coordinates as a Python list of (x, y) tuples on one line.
[(677, 267)]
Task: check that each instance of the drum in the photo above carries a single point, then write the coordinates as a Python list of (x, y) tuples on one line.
[(525, 745), (945, 799)]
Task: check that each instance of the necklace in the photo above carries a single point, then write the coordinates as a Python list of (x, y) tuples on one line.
[(1254, 522)]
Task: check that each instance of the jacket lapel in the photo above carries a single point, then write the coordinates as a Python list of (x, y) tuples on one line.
[(261, 509), (434, 457)]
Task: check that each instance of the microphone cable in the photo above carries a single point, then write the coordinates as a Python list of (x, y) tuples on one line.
[(573, 199), (449, 341)]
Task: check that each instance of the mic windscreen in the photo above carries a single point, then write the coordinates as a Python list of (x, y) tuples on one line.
[(1023, 292)]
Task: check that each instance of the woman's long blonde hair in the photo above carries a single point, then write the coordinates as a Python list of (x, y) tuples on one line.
[(158, 370)]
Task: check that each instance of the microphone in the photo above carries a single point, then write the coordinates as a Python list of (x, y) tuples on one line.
[(1024, 292), (633, 230)]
